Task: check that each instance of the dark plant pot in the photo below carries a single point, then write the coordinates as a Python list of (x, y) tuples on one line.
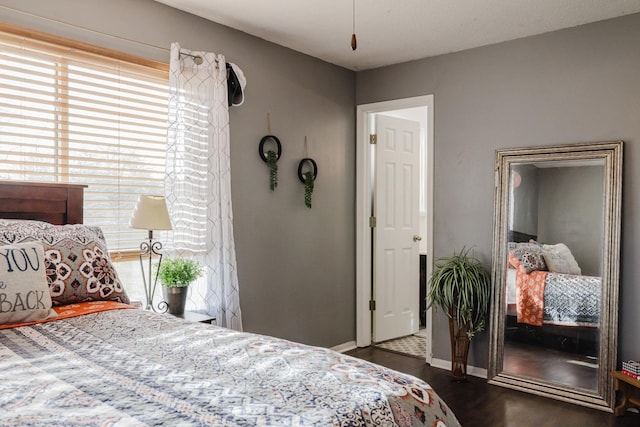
[(459, 350), (176, 298)]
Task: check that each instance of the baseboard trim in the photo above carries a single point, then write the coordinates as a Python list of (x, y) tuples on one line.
[(343, 348), (471, 370)]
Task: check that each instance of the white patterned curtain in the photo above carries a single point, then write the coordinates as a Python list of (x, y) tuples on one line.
[(198, 180)]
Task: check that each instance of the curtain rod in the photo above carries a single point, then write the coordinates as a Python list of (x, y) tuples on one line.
[(44, 18), (196, 58)]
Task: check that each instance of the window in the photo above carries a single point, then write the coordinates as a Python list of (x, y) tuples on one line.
[(71, 112)]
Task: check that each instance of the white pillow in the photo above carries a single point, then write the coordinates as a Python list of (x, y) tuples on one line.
[(559, 259), (24, 292)]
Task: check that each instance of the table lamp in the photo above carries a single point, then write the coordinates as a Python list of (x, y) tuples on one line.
[(150, 213)]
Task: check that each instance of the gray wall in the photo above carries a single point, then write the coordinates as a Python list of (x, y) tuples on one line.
[(571, 203), (525, 201), (575, 85), (295, 265)]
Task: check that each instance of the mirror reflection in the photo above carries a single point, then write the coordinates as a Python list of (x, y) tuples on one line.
[(553, 274), (554, 318)]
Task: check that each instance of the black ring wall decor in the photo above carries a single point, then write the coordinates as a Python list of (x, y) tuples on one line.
[(301, 165), (263, 141)]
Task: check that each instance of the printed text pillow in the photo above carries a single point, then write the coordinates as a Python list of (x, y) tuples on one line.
[(78, 267), (24, 293)]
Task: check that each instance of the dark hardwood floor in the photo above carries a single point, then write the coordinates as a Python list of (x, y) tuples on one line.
[(477, 403), (552, 365)]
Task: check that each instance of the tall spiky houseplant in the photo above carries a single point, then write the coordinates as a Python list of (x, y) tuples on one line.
[(461, 286)]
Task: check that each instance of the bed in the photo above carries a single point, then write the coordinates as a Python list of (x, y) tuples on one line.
[(92, 359), (545, 286), (549, 301)]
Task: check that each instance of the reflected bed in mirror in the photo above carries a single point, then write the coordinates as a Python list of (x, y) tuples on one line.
[(555, 271)]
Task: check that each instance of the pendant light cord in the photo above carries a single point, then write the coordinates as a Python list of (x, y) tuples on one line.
[(354, 43)]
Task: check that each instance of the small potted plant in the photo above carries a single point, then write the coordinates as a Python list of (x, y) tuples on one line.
[(176, 275), (461, 286)]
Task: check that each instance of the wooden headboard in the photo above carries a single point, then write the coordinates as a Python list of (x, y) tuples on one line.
[(518, 237), (52, 202)]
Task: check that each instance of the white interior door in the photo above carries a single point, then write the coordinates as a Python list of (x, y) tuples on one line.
[(396, 238)]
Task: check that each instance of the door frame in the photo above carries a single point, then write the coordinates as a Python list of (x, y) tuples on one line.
[(364, 114)]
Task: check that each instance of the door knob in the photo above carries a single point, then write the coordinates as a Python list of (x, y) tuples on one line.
[(416, 238)]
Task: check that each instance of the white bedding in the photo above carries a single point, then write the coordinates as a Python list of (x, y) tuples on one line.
[(132, 367)]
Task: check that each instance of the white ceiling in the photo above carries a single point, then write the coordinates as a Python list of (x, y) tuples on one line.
[(394, 31)]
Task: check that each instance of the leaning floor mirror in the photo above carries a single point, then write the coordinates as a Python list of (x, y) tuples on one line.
[(554, 316)]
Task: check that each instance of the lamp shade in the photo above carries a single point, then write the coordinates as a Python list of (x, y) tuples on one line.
[(150, 213)]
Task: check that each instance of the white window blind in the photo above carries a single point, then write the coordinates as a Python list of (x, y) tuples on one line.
[(70, 115)]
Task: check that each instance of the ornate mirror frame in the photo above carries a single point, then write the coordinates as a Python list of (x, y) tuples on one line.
[(603, 397)]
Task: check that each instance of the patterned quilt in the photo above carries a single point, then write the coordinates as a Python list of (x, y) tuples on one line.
[(572, 300), (136, 368), (557, 299)]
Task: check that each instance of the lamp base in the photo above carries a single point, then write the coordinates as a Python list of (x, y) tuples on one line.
[(149, 249)]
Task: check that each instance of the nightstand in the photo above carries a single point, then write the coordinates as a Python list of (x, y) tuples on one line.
[(193, 316), (629, 389)]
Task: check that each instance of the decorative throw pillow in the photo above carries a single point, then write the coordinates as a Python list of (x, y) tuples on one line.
[(530, 256), (78, 267), (24, 294), (559, 259)]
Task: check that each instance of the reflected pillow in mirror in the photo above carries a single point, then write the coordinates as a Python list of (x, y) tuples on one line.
[(559, 259), (530, 256)]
